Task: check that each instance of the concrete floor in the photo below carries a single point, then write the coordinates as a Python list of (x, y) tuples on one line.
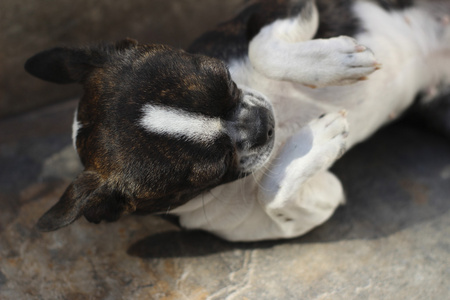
[(391, 240)]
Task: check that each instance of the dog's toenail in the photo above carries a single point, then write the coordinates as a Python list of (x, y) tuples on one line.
[(360, 48)]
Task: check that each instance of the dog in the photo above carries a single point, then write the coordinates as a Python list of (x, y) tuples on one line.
[(235, 136)]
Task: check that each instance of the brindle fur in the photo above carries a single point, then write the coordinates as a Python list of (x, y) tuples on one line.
[(117, 81)]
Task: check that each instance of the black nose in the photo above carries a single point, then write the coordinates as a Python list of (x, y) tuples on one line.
[(263, 131)]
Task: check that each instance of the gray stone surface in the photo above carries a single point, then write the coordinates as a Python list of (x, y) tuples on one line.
[(391, 240), (30, 26)]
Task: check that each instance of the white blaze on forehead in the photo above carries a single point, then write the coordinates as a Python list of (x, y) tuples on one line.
[(179, 123)]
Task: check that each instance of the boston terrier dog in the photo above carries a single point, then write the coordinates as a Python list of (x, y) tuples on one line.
[(236, 135)]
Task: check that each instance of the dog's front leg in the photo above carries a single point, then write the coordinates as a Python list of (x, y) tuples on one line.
[(297, 191), (283, 50)]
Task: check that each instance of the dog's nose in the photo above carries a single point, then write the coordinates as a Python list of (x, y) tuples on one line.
[(263, 131)]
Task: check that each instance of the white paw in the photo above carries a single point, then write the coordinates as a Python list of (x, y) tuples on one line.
[(311, 150), (329, 134), (341, 61)]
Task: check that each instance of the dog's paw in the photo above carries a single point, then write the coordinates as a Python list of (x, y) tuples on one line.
[(311, 150), (342, 61), (329, 134)]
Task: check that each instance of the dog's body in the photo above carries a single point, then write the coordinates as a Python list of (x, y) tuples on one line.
[(181, 137)]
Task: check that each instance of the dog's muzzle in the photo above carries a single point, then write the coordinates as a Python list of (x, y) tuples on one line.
[(252, 129)]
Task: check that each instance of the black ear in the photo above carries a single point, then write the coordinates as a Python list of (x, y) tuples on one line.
[(87, 195), (126, 44), (61, 65), (70, 65), (72, 203)]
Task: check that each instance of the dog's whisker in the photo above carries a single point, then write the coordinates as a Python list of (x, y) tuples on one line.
[(204, 210), (218, 199), (257, 181), (242, 189), (262, 187)]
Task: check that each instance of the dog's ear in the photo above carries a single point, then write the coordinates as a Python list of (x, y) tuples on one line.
[(72, 203), (70, 65), (87, 195), (126, 44), (63, 65)]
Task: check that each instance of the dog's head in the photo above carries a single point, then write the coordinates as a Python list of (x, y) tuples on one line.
[(155, 127)]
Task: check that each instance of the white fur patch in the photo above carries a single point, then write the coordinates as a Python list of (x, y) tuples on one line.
[(75, 127), (179, 123)]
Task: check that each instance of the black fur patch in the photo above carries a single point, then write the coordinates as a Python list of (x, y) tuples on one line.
[(336, 18), (395, 4), (230, 39)]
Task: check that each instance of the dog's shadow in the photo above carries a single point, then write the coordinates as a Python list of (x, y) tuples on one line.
[(397, 179)]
